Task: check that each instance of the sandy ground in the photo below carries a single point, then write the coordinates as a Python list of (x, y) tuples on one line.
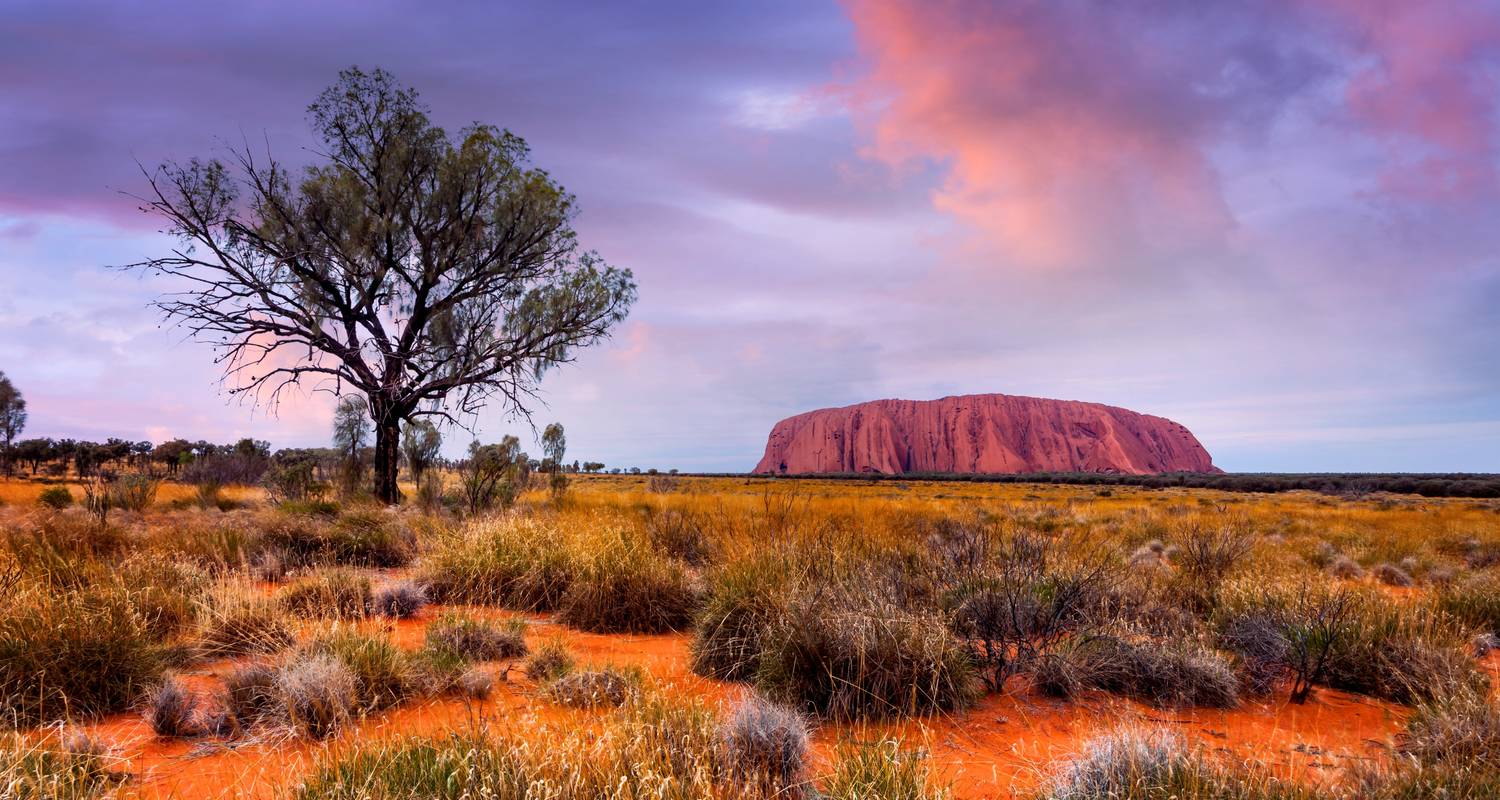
[(1002, 747)]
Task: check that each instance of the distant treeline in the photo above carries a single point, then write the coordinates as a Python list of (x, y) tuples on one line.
[(1452, 484)]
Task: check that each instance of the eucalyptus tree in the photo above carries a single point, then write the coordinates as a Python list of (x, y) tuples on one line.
[(12, 416), (429, 272), (420, 443)]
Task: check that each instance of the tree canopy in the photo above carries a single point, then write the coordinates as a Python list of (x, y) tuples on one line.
[(430, 272)]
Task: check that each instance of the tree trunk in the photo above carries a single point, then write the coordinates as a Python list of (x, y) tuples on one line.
[(387, 455)]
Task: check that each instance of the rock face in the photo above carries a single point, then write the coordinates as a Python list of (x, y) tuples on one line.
[(981, 433)]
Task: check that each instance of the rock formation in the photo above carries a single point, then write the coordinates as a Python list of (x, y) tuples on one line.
[(981, 433)]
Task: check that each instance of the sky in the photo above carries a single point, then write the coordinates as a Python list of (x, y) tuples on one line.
[(1275, 222)]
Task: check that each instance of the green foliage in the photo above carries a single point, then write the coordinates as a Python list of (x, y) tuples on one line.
[(55, 497)]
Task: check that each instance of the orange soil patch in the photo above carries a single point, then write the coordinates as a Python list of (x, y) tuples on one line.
[(1000, 748)]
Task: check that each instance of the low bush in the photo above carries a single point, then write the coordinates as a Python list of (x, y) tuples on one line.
[(399, 600), (549, 661), (250, 694), (476, 640), (337, 594), (384, 674), (1392, 575), (41, 771), (765, 747), (238, 620), (171, 709), (73, 652), (1474, 601), (623, 586), (844, 657), (1147, 765), (317, 694), (605, 687), (881, 770), (745, 599), (515, 562), (55, 497), (476, 683), (1147, 670), (681, 535)]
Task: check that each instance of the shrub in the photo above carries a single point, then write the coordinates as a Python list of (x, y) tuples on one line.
[(1028, 604), (237, 621), (250, 694), (845, 658), (881, 770), (1403, 653), (1149, 764), (1164, 676), (33, 771), (681, 535), (399, 600), (370, 539), (1475, 602), (165, 593), (1206, 559), (1346, 568), (1392, 575), (336, 593), (595, 688), (172, 710), (549, 661), (73, 651), (765, 746), (383, 673), (317, 694), (515, 562), (55, 497), (622, 586), (133, 492), (744, 600), (476, 640), (1463, 728), (476, 683)]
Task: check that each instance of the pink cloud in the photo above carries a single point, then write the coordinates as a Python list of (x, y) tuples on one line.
[(1064, 137), (1428, 84)]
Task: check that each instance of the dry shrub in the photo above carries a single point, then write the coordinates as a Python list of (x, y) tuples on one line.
[(171, 710), (250, 694), (31, 770), (238, 620), (472, 639), (606, 687), (1137, 764), (847, 658), (681, 535), (1392, 575), (400, 600), (73, 652), (1206, 559), (621, 585), (1147, 670), (881, 770), (476, 683), (765, 747), (317, 694), (337, 594), (1346, 568), (517, 562), (384, 674), (745, 598), (549, 661), (1474, 601)]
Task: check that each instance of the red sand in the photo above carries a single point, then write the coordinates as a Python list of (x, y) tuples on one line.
[(1002, 747)]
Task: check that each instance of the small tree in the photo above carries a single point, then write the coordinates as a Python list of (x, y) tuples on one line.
[(494, 473), (12, 417), (429, 271), (554, 446), (420, 443), (351, 429)]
